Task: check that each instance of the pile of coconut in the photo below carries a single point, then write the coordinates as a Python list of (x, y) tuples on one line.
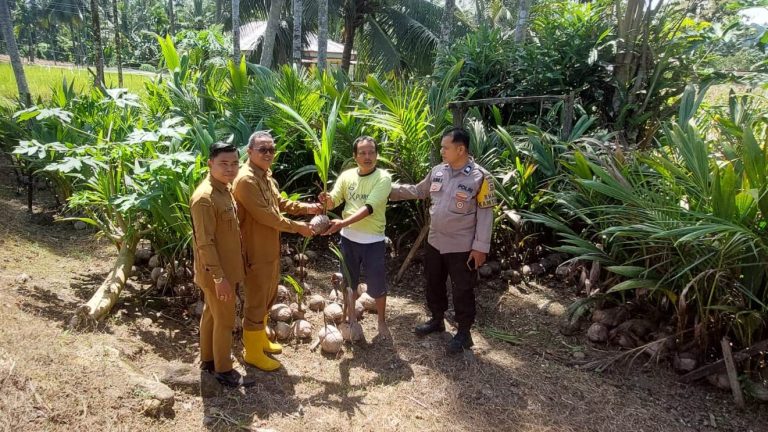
[(163, 273), (288, 320)]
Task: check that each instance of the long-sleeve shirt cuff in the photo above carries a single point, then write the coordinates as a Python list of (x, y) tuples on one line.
[(481, 246)]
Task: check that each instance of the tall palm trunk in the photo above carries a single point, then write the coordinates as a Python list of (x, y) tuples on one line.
[(13, 52), (268, 43), (350, 18), (118, 44), (446, 27), (32, 30), (53, 36), (75, 50), (172, 17), (479, 8), (236, 31), (97, 47), (106, 296), (298, 12), (521, 28), (322, 34)]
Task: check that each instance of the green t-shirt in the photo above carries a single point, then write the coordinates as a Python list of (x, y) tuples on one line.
[(356, 191)]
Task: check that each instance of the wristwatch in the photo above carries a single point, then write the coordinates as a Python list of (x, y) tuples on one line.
[(218, 280)]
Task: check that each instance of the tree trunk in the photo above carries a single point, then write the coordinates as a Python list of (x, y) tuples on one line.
[(236, 31), (268, 43), (298, 12), (75, 54), (32, 30), (479, 12), (13, 52), (322, 34), (199, 14), (521, 28), (446, 27), (99, 52), (171, 17), (118, 44), (53, 39), (219, 7), (106, 296), (349, 35)]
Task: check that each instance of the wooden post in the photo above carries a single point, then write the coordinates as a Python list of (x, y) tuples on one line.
[(567, 117), (733, 376), (416, 245), (458, 116)]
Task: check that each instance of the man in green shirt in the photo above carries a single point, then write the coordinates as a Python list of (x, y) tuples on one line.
[(365, 191)]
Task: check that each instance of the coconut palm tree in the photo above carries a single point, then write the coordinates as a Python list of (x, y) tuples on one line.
[(447, 24), (298, 12), (390, 35), (171, 17), (400, 35), (32, 30), (236, 31), (13, 52), (70, 13), (118, 44), (522, 20), (97, 46), (322, 34), (268, 41)]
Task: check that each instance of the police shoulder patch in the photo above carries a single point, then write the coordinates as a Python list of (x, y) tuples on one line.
[(486, 196)]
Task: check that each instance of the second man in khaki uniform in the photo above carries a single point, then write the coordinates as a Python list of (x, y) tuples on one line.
[(261, 223)]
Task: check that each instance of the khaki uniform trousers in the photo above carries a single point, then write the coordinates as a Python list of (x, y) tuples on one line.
[(260, 292), (216, 327)]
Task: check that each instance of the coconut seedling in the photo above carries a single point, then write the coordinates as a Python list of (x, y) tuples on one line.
[(350, 315), (301, 271), (322, 150), (299, 290)]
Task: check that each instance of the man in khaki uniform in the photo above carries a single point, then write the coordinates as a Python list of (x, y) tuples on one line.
[(218, 261), (261, 222), (461, 219)]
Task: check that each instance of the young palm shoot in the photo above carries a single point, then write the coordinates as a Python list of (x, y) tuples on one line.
[(322, 150), (355, 329)]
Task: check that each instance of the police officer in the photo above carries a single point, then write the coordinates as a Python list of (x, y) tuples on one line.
[(461, 219), (261, 222), (218, 261)]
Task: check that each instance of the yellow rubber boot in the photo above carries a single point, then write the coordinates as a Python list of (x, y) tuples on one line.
[(253, 351), (269, 346)]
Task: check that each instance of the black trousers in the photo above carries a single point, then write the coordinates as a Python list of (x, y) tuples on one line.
[(437, 267)]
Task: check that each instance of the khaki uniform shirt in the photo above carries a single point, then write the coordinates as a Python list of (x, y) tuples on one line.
[(261, 222), (461, 210), (216, 235)]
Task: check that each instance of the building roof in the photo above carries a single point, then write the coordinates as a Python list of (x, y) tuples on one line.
[(252, 32)]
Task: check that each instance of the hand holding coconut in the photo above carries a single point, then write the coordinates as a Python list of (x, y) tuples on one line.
[(334, 226), (305, 229)]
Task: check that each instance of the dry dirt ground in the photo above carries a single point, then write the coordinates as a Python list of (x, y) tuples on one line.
[(54, 379)]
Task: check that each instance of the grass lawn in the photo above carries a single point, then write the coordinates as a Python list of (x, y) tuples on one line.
[(41, 78)]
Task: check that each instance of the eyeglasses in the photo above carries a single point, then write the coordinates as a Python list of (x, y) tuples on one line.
[(265, 150)]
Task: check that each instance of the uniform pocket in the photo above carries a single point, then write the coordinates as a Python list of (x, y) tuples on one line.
[(461, 203), (229, 218)]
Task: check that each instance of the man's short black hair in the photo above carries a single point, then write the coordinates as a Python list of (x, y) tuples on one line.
[(362, 139), (459, 136), (220, 147)]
